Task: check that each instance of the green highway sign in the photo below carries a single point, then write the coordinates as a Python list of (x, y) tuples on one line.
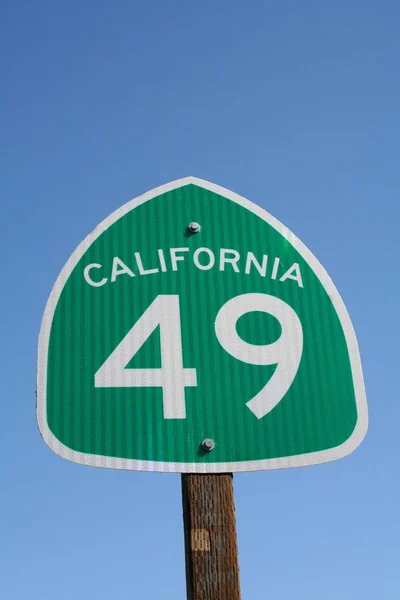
[(193, 332)]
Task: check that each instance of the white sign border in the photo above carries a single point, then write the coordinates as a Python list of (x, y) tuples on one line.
[(311, 458)]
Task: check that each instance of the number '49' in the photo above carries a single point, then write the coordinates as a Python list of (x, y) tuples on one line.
[(173, 378)]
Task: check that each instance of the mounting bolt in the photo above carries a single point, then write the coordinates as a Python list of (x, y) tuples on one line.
[(194, 227), (208, 444)]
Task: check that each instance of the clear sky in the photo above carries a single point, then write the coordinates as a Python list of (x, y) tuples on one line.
[(294, 105)]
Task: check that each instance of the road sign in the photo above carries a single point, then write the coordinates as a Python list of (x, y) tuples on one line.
[(191, 315)]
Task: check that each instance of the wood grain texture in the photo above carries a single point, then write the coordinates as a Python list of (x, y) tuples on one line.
[(212, 570)]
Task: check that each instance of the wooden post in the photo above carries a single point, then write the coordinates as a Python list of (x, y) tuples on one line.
[(212, 570)]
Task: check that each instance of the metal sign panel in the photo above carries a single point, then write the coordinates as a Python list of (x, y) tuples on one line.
[(191, 314)]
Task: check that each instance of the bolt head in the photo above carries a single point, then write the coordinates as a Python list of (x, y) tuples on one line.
[(208, 444), (194, 227)]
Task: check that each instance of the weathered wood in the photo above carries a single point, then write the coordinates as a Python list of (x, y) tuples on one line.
[(212, 570)]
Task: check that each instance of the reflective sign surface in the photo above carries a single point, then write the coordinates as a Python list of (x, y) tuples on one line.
[(190, 314)]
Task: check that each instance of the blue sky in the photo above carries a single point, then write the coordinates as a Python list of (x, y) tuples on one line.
[(296, 107)]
